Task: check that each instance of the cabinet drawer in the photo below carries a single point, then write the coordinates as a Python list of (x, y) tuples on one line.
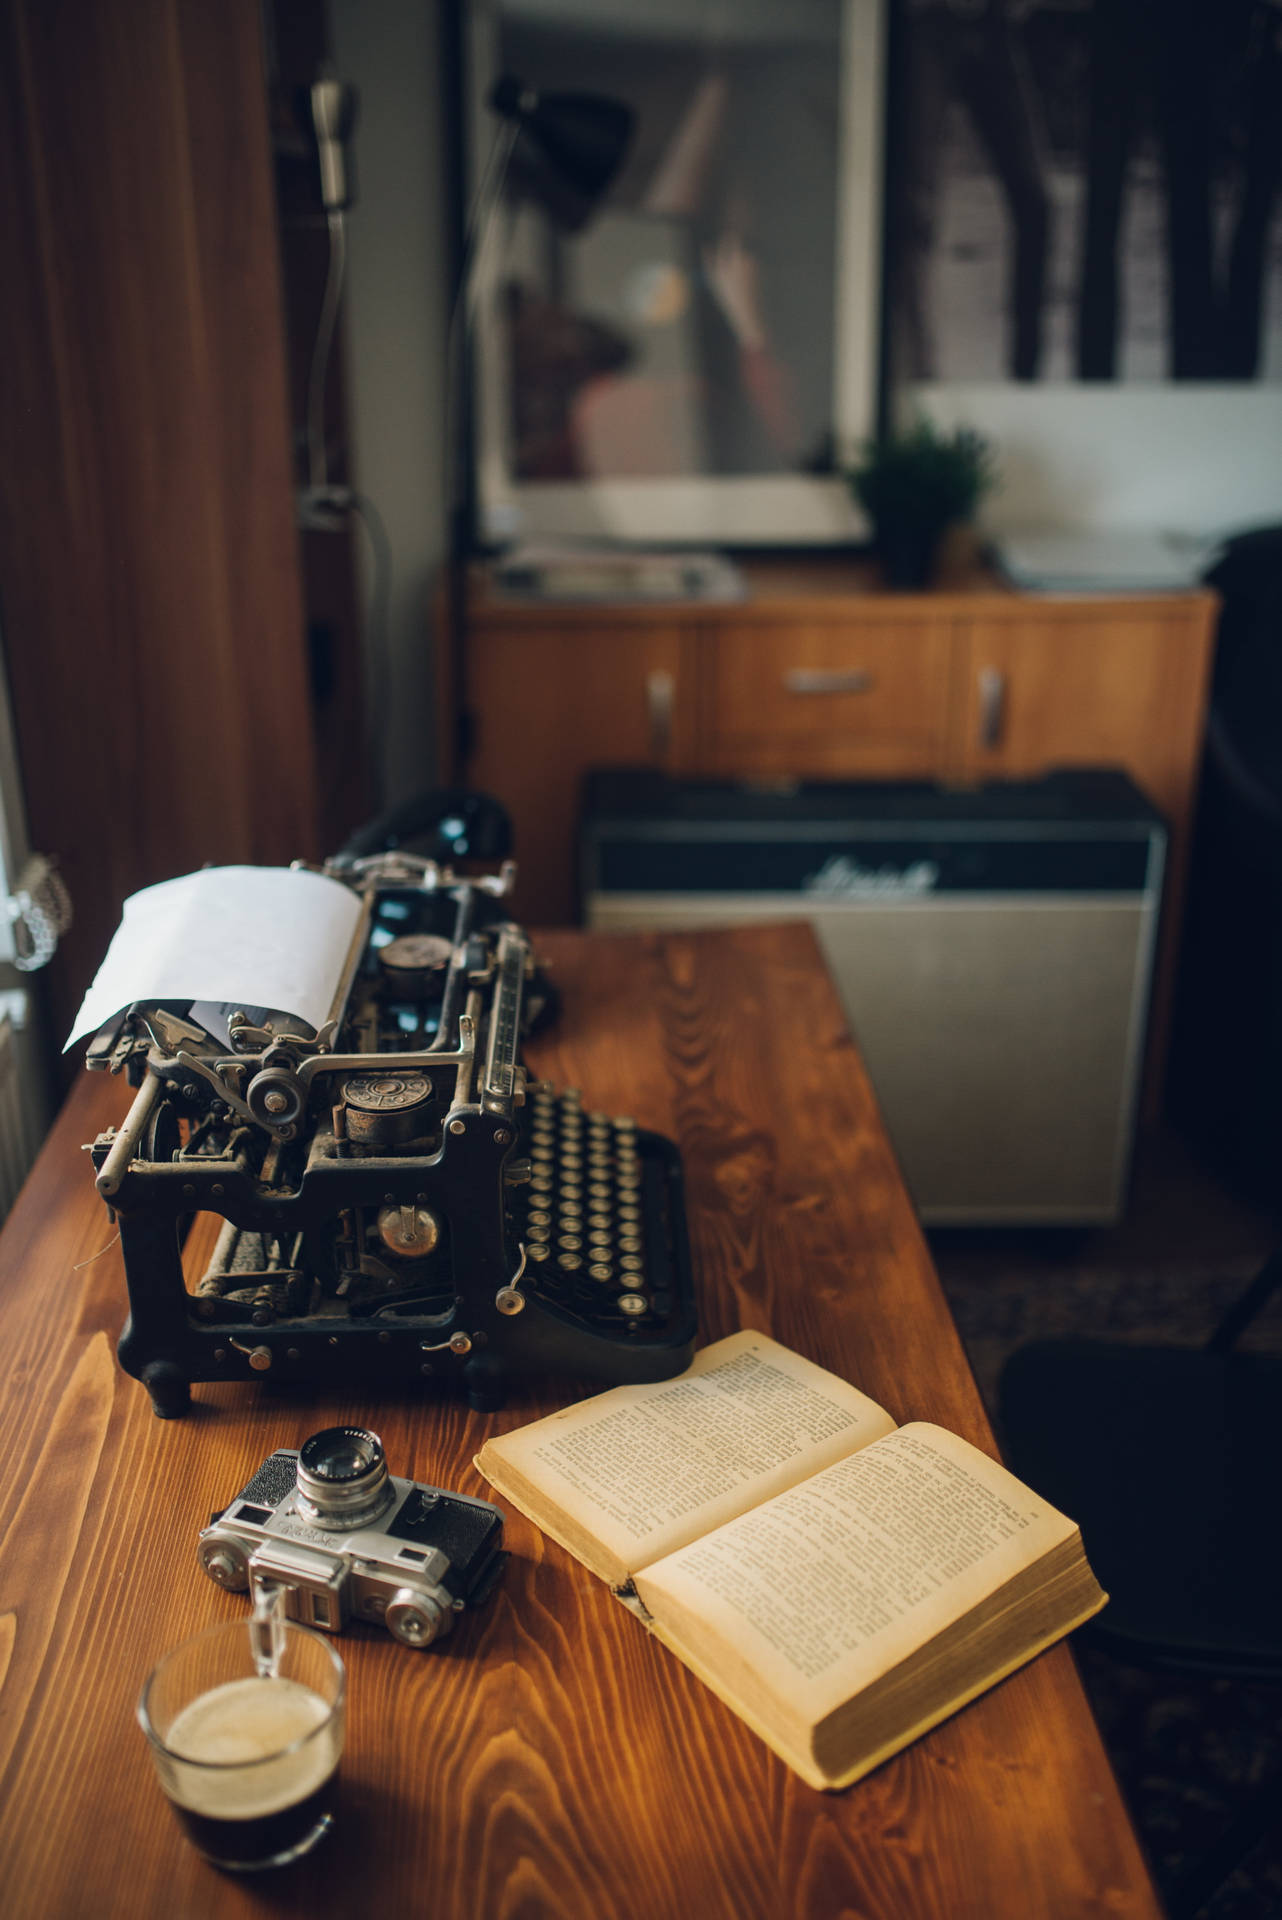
[(828, 698)]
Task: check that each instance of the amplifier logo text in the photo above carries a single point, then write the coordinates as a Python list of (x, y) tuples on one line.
[(842, 878)]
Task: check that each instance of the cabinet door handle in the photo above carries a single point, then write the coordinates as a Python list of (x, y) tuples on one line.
[(992, 707), (660, 696), (827, 680)]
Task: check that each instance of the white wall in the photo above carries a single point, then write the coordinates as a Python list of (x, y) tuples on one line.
[(397, 315), (1172, 459)]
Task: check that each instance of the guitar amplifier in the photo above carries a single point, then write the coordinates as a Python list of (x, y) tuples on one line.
[(993, 948)]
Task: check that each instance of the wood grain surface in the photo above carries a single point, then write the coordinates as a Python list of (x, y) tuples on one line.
[(549, 1758)]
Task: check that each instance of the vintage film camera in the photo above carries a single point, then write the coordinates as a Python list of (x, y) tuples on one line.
[(398, 1204), (347, 1541)]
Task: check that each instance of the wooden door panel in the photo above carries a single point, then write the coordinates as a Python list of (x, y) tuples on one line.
[(1113, 688), (148, 550), (551, 704)]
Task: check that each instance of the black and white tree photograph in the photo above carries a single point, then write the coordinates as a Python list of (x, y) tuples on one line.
[(1087, 190)]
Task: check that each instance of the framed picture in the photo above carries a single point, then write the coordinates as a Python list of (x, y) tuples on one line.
[(1087, 190), (696, 360)]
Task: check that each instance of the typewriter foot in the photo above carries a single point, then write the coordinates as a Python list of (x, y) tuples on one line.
[(486, 1391), (169, 1388)]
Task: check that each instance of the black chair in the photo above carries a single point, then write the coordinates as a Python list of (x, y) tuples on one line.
[(459, 828), (1169, 1460), (447, 824)]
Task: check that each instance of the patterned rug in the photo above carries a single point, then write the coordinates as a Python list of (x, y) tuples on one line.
[(1188, 1753)]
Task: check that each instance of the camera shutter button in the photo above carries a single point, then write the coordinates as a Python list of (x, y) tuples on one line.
[(414, 1618)]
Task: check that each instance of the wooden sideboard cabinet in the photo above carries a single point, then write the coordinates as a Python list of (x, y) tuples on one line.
[(818, 674)]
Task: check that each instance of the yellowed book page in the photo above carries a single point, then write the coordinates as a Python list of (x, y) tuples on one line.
[(644, 1470), (808, 1599), (795, 1747)]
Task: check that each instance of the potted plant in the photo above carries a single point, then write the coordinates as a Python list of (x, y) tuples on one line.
[(914, 486)]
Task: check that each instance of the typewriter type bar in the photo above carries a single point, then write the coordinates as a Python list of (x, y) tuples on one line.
[(398, 1204)]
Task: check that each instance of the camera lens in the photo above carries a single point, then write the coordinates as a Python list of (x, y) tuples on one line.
[(340, 1454), (342, 1478)]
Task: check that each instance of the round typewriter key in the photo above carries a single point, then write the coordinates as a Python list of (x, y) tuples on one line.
[(571, 1185), (598, 1271), (632, 1304), (601, 1219), (600, 1190), (569, 1262), (630, 1243), (537, 1234), (570, 1242), (539, 1252), (631, 1263), (541, 1179), (539, 1217)]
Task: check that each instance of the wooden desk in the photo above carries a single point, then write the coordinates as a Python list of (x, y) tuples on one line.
[(549, 1758)]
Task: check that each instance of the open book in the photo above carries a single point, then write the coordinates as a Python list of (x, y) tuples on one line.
[(841, 1583)]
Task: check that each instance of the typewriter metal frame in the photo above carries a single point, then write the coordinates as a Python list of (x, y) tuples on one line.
[(391, 1237)]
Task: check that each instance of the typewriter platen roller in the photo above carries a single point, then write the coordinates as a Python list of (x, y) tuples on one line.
[(398, 1203)]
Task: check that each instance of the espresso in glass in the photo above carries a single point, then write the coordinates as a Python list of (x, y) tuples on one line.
[(249, 1762)]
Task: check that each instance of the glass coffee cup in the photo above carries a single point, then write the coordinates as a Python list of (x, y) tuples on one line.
[(247, 1743)]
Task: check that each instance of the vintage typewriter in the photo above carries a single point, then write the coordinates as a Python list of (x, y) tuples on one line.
[(400, 1203)]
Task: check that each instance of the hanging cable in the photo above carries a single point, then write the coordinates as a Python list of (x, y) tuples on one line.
[(317, 458)]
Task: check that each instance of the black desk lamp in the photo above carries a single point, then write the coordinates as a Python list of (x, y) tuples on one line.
[(563, 150), (568, 146)]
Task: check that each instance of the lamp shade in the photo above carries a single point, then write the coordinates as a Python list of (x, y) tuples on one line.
[(572, 145)]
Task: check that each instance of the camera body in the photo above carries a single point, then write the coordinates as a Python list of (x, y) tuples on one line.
[(348, 1541)]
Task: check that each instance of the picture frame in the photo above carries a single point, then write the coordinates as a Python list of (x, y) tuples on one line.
[(611, 400)]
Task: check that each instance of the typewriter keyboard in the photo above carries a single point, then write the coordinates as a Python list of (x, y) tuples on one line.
[(596, 1214)]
